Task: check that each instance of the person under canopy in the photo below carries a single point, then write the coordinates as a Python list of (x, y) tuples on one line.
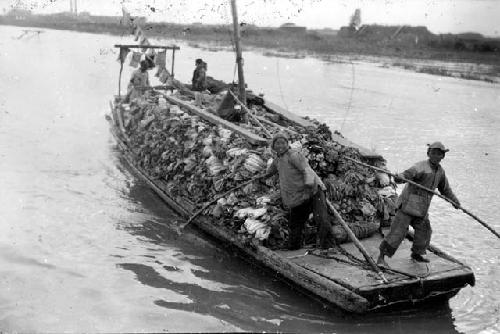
[(139, 81)]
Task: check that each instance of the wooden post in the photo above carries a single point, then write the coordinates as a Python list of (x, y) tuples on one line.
[(120, 78), (173, 60), (239, 58)]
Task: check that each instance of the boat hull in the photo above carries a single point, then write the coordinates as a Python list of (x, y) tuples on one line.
[(323, 278)]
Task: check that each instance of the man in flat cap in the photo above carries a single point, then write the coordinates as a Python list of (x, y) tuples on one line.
[(413, 205), (302, 192)]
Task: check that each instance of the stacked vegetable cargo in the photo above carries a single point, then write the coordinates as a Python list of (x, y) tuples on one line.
[(198, 161)]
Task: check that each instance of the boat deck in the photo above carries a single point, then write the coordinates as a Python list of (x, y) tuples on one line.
[(443, 274)]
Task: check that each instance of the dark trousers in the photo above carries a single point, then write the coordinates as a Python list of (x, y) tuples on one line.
[(298, 217), (399, 229)]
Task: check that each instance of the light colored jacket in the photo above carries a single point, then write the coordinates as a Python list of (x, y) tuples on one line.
[(415, 201), (294, 174), (139, 79)]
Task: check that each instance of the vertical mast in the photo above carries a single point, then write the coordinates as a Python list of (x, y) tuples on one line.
[(239, 59)]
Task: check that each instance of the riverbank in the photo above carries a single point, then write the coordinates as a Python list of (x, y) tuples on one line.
[(412, 48)]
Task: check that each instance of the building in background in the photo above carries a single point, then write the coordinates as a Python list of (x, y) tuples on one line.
[(292, 27)]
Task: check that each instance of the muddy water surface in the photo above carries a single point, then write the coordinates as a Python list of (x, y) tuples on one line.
[(85, 246)]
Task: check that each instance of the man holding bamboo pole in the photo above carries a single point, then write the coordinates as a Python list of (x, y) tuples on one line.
[(413, 205)]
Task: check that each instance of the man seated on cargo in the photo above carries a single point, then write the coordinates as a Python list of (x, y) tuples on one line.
[(413, 205), (229, 109), (139, 81), (302, 192)]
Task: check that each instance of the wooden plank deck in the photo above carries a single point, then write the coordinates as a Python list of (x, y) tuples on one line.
[(348, 275), (343, 271), (288, 115), (401, 260)]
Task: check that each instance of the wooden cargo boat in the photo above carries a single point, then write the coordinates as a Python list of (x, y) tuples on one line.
[(343, 279)]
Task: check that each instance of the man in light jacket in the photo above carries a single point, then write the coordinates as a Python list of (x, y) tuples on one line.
[(413, 205), (138, 82), (302, 192)]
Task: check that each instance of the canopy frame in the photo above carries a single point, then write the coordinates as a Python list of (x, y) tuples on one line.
[(138, 46)]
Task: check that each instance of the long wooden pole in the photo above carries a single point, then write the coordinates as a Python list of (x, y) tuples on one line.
[(239, 58), (216, 198), (268, 134), (356, 242), (429, 190), (279, 127), (138, 46)]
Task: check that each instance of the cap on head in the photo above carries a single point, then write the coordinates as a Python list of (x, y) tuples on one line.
[(198, 61), (438, 145), (278, 136)]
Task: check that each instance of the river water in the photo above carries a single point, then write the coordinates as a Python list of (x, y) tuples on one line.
[(85, 246)]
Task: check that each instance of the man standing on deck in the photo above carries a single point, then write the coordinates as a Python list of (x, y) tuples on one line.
[(302, 192), (199, 80), (413, 205), (138, 82)]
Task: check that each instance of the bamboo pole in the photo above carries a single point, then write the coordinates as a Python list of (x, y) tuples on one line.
[(356, 242), (197, 213), (429, 190)]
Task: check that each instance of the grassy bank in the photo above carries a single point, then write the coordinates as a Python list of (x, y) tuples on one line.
[(407, 44)]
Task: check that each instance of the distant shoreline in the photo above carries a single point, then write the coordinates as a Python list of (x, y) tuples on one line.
[(413, 49)]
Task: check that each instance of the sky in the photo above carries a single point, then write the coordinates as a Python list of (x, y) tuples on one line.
[(440, 16)]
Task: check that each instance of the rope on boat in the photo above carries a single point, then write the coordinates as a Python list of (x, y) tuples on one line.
[(355, 241), (249, 112), (353, 260), (353, 76), (279, 82)]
